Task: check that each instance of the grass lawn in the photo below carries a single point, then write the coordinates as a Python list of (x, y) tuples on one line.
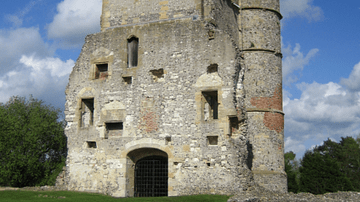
[(65, 196)]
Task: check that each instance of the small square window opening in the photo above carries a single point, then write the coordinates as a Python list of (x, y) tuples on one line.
[(212, 140), (127, 80), (101, 71), (114, 129)]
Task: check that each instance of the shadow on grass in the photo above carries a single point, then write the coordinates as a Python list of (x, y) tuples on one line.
[(65, 196)]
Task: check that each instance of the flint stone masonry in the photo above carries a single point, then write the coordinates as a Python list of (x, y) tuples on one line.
[(201, 87)]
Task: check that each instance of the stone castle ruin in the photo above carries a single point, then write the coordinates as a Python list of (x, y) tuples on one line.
[(178, 97)]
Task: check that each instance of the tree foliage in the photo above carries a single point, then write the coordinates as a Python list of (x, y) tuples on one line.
[(32, 143), (331, 167), (292, 171), (320, 173), (347, 155)]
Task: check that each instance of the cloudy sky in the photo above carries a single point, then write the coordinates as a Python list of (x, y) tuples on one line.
[(40, 41)]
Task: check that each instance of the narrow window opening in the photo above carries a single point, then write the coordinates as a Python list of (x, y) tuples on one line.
[(87, 112), (127, 80), (212, 140), (234, 124), (212, 68), (91, 144), (210, 105), (208, 164), (133, 46), (114, 129), (101, 71)]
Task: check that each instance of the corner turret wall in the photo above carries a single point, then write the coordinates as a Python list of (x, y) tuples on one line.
[(259, 24)]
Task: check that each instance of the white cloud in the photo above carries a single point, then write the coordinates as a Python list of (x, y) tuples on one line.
[(323, 111), (18, 42), (75, 19), (54, 66), (296, 146), (302, 8), (294, 62), (45, 78), (353, 82)]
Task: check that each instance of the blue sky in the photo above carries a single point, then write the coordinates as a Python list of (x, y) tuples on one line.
[(40, 41)]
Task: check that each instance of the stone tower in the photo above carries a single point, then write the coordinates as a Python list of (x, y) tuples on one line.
[(178, 97), (259, 25)]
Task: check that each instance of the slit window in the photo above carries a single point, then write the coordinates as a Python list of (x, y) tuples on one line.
[(210, 105), (114, 129), (133, 47), (87, 112), (101, 71)]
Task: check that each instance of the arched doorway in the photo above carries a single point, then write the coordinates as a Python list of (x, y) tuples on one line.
[(147, 173), (151, 177)]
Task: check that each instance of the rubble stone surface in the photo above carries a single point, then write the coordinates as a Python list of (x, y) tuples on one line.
[(197, 82)]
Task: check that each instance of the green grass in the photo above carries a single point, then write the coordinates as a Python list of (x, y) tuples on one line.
[(65, 196)]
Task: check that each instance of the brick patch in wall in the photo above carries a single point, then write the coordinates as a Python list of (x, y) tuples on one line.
[(148, 120), (274, 102), (274, 121)]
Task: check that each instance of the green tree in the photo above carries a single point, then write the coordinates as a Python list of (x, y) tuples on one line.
[(320, 173), (292, 171), (350, 163), (347, 155), (32, 143)]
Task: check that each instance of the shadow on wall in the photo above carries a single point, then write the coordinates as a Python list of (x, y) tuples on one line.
[(250, 157)]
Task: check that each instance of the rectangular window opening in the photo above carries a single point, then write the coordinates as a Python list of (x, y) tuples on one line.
[(212, 140), (101, 71), (127, 80), (87, 112), (234, 124), (133, 46), (91, 144), (211, 105), (114, 129)]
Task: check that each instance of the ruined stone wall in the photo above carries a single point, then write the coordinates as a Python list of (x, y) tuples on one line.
[(194, 90), (130, 12), (163, 108)]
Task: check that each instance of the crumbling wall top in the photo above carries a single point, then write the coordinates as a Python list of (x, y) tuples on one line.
[(117, 13)]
